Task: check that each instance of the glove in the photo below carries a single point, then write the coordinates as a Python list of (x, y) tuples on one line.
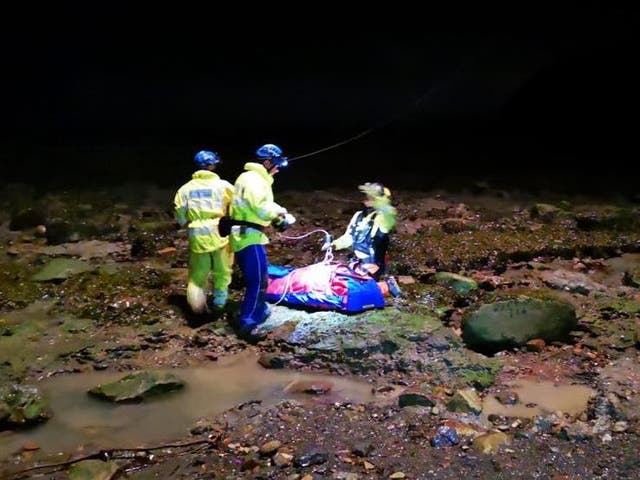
[(281, 223), (289, 219), (328, 243)]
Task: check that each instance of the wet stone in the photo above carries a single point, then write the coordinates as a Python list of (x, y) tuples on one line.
[(463, 429), (204, 426), (93, 470), (345, 476), (270, 447), (317, 387), (438, 343), (507, 398), (282, 459), (465, 401), (536, 345), (574, 282), (30, 446), (412, 398), (137, 386), (316, 458), (505, 324), (61, 269), (631, 279), (269, 360), (22, 405), (543, 425), (620, 427), (249, 463), (577, 431), (362, 448)]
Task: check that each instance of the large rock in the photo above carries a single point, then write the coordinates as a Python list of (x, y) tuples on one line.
[(61, 269), (137, 386), (511, 323), (574, 282), (85, 250), (22, 405), (356, 336), (93, 470)]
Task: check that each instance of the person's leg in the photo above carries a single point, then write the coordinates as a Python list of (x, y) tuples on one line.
[(392, 285), (380, 247), (222, 270), (253, 263), (199, 269), (384, 288)]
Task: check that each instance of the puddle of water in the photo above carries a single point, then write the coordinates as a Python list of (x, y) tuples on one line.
[(543, 398), (80, 420)]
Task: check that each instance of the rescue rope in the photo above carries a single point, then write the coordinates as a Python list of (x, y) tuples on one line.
[(328, 255), (369, 130), (304, 235), (285, 290)]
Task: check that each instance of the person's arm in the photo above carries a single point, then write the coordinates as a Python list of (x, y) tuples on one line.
[(180, 208), (269, 210), (227, 197), (346, 240), (258, 200)]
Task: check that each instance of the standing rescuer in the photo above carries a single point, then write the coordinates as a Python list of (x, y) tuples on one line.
[(254, 209), (199, 204)]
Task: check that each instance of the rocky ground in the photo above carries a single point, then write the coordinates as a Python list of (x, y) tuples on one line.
[(497, 287)]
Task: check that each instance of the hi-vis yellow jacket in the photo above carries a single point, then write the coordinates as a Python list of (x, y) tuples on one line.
[(201, 202), (253, 202)]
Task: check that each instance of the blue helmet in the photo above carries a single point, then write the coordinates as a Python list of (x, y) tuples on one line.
[(272, 152), (205, 158), (268, 151)]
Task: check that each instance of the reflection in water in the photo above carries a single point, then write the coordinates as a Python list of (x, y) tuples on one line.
[(81, 420)]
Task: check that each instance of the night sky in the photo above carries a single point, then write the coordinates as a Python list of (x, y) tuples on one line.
[(453, 93)]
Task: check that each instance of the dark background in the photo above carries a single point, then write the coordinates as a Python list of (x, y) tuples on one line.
[(541, 98)]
